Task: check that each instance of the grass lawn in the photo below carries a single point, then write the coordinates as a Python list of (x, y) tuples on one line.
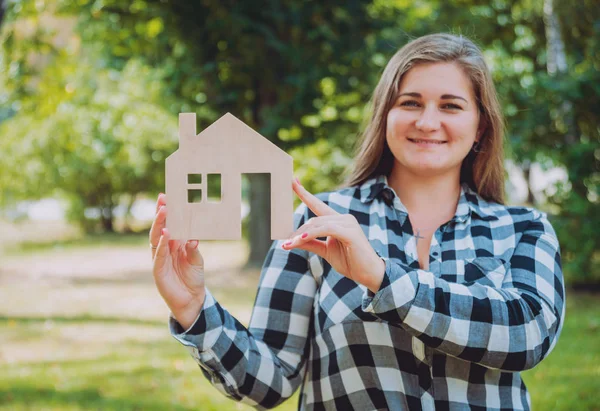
[(81, 336), (142, 371), (569, 379), (146, 370)]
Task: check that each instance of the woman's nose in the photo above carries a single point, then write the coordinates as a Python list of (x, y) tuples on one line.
[(428, 120)]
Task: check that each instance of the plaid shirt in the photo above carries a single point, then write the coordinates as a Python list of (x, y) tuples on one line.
[(454, 336)]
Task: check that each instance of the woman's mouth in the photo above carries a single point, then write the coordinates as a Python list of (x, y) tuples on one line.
[(426, 142)]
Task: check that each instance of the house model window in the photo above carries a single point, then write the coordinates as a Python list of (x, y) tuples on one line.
[(204, 180), (212, 190)]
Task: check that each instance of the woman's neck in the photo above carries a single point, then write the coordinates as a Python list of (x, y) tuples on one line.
[(431, 199)]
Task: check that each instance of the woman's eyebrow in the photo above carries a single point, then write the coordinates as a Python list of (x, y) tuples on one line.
[(452, 97), (444, 96)]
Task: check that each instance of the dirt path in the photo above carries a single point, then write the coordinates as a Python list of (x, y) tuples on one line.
[(69, 303), (104, 281)]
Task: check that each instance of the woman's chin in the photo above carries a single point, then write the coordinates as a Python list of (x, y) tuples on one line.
[(429, 168), (427, 165)]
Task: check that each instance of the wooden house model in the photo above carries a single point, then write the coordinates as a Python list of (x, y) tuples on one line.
[(227, 148)]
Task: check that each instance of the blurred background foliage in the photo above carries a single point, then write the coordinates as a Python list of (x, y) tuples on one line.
[(90, 91)]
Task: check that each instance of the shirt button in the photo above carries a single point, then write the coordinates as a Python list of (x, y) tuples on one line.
[(435, 253), (418, 349)]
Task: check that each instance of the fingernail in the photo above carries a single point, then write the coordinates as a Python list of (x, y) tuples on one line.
[(193, 243), (304, 235), (287, 243), (162, 232), (298, 181)]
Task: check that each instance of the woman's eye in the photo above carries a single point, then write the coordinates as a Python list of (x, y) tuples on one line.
[(409, 103), (452, 106)]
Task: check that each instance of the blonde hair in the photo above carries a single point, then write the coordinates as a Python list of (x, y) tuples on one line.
[(483, 171)]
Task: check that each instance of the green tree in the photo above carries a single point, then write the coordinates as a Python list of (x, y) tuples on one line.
[(301, 74), (92, 134), (269, 63)]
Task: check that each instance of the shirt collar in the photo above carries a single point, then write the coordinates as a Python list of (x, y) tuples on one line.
[(469, 202)]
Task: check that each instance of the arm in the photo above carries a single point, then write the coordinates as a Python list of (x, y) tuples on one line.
[(262, 364), (510, 328)]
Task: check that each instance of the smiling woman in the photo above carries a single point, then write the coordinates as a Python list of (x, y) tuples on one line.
[(431, 130), (413, 286), (444, 83)]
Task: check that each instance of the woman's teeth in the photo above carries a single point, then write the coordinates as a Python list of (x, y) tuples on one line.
[(427, 141)]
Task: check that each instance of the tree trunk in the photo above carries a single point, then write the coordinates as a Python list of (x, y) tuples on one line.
[(107, 220), (260, 202), (106, 216), (555, 48), (2, 6), (526, 167), (557, 64), (127, 218), (259, 228)]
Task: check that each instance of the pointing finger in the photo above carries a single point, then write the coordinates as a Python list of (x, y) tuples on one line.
[(317, 206)]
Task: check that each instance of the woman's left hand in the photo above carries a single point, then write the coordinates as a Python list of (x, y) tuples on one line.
[(346, 248)]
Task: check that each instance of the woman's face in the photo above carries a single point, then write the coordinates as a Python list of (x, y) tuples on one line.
[(433, 124)]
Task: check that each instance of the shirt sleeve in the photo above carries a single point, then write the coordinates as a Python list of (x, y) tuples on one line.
[(512, 327), (263, 364)]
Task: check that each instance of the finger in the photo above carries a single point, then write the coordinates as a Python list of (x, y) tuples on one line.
[(317, 247), (162, 253), (174, 246), (320, 221), (162, 200), (182, 253), (157, 225), (193, 254), (338, 232), (317, 206)]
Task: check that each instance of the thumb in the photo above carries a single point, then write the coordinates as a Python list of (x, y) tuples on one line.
[(315, 246), (193, 254)]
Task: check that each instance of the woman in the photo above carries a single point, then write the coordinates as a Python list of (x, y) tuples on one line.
[(427, 293)]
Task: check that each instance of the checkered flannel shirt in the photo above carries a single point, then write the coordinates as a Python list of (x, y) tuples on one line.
[(454, 336)]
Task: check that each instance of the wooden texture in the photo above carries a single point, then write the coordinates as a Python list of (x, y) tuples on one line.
[(230, 148)]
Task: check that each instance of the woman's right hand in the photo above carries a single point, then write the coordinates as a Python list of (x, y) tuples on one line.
[(178, 269)]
